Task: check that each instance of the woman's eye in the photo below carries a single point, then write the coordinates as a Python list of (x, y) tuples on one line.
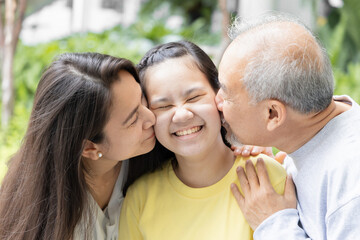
[(135, 121)]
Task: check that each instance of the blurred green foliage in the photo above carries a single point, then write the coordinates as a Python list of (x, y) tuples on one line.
[(190, 10), (130, 43), (341, 36), (338, 32)]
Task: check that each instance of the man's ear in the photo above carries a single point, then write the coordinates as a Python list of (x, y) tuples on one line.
[(276, 114), (91, 151)]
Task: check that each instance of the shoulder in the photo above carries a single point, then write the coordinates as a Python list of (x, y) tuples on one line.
[(277, 173), (149, 181), (271, 164)]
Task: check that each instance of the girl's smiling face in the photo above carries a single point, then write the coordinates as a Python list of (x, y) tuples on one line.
[(183, 101)]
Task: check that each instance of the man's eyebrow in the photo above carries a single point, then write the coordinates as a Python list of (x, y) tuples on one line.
[(130, 115)]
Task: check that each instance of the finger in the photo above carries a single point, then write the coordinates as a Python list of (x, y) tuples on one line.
[(237, 151), (239, 198), (256, 150), (244, 183), (251, 175), (263, 175), (246, 150), (280, 157), (290, 193), (268, 151)]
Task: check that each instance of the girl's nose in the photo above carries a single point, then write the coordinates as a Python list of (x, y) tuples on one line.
[(182, 115)]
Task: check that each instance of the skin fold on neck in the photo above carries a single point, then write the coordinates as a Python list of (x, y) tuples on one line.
[(101, 177)]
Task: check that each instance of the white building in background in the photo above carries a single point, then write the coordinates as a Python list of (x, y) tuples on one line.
[(302, 9), (251, 8), (64, 17)]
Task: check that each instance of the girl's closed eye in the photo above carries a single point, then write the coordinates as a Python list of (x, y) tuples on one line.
[(160, 107), (195, 98), (164, 107)]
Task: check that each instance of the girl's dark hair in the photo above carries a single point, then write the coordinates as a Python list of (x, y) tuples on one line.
[(170, 50), (156, 55), (44, 193)]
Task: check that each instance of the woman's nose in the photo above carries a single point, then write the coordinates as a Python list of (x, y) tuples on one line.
[(149, 119)]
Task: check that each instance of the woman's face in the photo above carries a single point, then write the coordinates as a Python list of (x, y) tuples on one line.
[(182, 99), (129, 131)]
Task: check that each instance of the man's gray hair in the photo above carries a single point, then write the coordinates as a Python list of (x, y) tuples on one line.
[(303, 81)]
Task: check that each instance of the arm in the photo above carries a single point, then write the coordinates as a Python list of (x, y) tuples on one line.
[(343, 223)]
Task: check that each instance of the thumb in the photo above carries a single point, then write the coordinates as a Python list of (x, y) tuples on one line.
[(289, 192), (280, 157)]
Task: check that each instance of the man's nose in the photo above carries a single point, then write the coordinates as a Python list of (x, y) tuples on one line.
[(149, 118)]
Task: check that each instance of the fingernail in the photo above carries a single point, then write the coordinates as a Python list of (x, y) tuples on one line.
[(260, 159), (246, 152), (232, 185), (238, 169)]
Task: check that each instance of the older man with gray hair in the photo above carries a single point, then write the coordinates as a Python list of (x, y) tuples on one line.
[(277, 90)]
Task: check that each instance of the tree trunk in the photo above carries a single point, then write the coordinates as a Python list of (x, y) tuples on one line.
[(2, 39), (13, 20), (225, 40), (1, 34)]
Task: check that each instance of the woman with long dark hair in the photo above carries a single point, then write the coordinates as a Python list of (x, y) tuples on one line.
[(65, 181)]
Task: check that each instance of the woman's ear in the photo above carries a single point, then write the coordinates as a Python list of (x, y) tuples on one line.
[(91, 151), (276, 114)]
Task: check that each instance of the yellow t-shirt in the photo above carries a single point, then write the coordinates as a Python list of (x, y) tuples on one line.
[(159, 206)]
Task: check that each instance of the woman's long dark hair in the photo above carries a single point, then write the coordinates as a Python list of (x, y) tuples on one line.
[(153, 160), (44, 193)]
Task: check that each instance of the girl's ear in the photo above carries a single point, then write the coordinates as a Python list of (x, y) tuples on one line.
[(276, 114), (91, 151)]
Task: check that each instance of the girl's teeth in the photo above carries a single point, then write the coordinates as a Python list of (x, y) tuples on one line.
[(188, 131)]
